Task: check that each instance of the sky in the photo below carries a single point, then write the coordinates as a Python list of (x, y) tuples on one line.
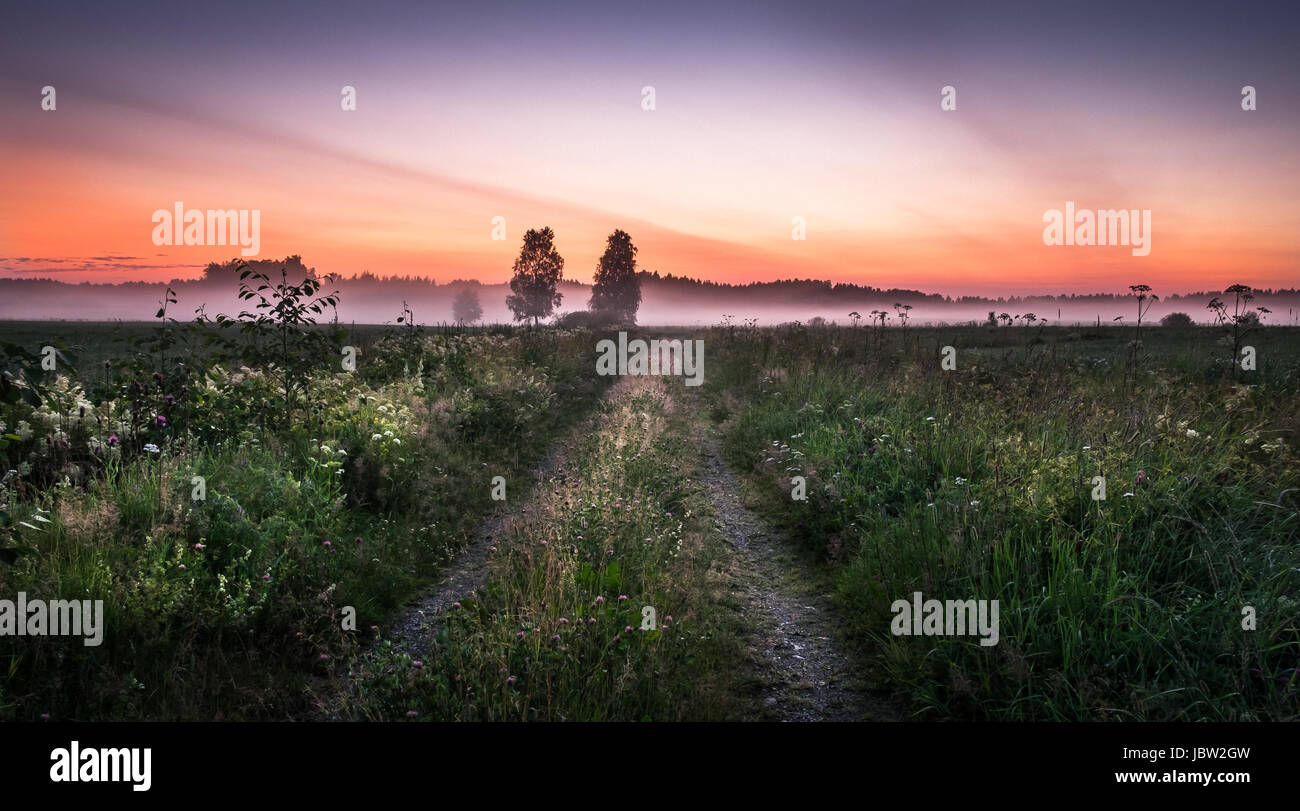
[(763, 113)]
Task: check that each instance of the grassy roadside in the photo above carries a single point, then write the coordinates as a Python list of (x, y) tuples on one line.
[(976, 484), (557, 634), (223, 601)]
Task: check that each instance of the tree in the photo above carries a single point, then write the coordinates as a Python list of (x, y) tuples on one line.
[(1176, 320), (281, 327), (466, 308), (617, 289), (537, 270)]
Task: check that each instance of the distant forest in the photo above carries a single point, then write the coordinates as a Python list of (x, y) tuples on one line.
[(667, 299)]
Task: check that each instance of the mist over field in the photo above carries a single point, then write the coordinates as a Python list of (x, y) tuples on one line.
[(666, 301)]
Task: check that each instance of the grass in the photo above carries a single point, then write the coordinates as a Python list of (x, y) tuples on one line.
[(231, 537), (226, 601), (977, 484), (561, 631)]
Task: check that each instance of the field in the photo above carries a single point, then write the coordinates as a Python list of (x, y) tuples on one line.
[(264, 523)]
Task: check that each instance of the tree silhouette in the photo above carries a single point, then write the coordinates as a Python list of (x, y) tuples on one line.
[(466, 308), (616, 290), (537, 270)]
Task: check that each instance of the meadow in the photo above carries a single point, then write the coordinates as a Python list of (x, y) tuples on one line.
[(979, 482), (233, 492)]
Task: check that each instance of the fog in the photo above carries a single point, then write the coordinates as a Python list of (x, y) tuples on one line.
[(664, 303)]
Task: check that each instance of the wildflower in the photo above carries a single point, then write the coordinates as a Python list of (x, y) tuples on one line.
[(627, 630), (492, 549), (417, 663), (411, 713), (600, 598), (1128, 495), (358, 539), (45, 716), (160, 420), (200, 547), (151, 448), (555, 638), (266, 576), (544, 543), (511, 681), (591, 620), (929, 419), (1141, 478), (181, 567), (960, 481), (327, 543), (563, 621), (113, 441), (324, 657), (622, 597), (520, 635), (455, 605), (668, 618), (1192, 434)]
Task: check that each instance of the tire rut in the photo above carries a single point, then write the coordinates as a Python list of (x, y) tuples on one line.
[(803, 673)]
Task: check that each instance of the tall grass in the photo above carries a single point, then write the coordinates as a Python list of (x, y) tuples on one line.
[(977, 484)]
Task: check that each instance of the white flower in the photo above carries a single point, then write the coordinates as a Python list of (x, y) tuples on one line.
[(1192, 434), (975, 504), (960, 481), (1128, 495), (397, 441), (376, 436), (1087, 447), (151, 448), (929, 419)]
